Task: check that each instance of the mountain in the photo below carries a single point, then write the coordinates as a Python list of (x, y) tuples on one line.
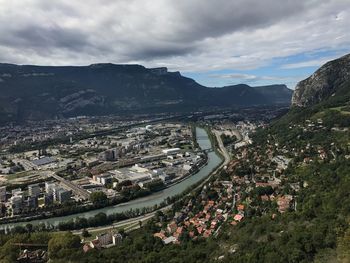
[(315, 137), (325, 82), (40, 92), (292, 186), (325, 95)]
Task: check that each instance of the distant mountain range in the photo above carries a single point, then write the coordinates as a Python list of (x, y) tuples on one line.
[(42, 92)]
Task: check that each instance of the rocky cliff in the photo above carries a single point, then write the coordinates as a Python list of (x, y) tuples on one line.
[(325, 82)]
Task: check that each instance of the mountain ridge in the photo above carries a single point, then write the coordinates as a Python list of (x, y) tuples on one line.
[(31, 92)]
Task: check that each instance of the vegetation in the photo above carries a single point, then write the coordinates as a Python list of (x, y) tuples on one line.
[(227, 139), (318, 230), (98, 198)]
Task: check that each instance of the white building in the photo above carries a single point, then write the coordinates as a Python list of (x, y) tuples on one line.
[(117, 239), (50, 187), (171, 151), (103, 178)]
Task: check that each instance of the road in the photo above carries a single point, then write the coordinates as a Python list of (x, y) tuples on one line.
[(124, 223), (222, 149)]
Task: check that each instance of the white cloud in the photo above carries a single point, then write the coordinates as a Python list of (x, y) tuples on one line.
[(310, 63), (184, 35)]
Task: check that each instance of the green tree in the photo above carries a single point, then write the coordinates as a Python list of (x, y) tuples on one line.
[(85, 233), (61, 245), (98, 197)]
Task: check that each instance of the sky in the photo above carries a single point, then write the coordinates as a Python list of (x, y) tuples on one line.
[(217, 43)]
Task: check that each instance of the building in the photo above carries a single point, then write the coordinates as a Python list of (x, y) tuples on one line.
[(95, 244), (63, 195), (16, 203), (134, 175), (117, 238), (105, 239), (3, 194), (17, 192), (32, 201), (187, 167), (92, 162), (109, 155), (2, 209), (44, 161), (48, 199), (86, 248), (284, 203), (166, 177), (169, 240), (50, 188), (238, 217), (171, 151), (34, 190), (103, 179)]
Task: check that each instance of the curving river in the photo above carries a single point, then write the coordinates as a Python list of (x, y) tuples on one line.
[(148, 201)]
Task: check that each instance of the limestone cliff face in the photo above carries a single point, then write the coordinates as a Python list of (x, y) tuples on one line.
[(323, 83)]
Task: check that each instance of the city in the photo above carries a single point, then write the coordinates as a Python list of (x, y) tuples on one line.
[(174, 131)]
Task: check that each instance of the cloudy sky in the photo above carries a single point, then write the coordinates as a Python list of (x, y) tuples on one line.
[(219, 42)]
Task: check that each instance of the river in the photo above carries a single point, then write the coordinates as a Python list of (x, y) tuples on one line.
[(148, 201)]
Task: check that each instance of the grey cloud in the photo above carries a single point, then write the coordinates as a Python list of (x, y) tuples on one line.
[(187, 35), (50, 36), (215, 18), (168, 28), (159, 51)]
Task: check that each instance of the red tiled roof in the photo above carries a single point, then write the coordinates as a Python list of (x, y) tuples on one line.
[(238, 217)]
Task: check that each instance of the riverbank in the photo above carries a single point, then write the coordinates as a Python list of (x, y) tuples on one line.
[(90, 207), (148, 202), (148, 216)]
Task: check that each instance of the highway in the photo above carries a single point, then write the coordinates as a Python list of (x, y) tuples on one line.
[(222, 149), (124, 223)]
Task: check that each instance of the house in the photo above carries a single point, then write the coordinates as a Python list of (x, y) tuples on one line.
[(207, 233), (169, 240), (284, 203), (104, 239), (200, 230), (117, 238), (238, 217), (178, 232), (87, 248), (95, 244), (160, 235), (172, 227), (240, 207)]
